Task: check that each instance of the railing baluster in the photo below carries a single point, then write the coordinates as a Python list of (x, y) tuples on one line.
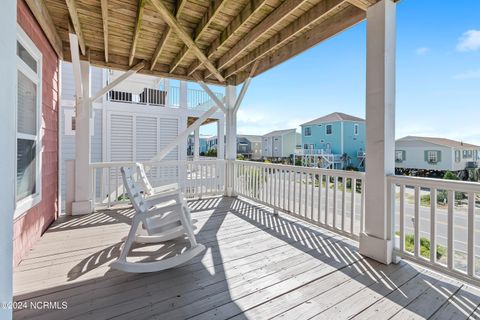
[(471, 234), (300, 194), (362, 209), (416, 228), (284, 189), (450, 199), (433, 225), (294, 196), (289, 190), (305, 211), (312, 199), (335, 187), (344, 195), (402, 218), (319, 209), (327, 192), (353, 189)]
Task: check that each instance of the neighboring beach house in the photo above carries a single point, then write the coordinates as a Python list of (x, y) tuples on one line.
[(249, 146), (437, 154), (133, 122), (334, 141), (280, 144)]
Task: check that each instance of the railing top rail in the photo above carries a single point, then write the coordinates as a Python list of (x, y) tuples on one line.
[(152, 163), (298, 169), (442, 184)]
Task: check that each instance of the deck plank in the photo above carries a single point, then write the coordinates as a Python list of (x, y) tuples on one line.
[(256, 266)]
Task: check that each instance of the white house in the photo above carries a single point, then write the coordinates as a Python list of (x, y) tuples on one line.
[(280, 144), (131, 123), (432, 153)]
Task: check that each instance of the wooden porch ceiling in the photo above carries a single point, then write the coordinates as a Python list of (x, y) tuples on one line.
[(191, 120), (215, 40)]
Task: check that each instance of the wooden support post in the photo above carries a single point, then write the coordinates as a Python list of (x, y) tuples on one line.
[(221, 139), (231, 137), (196, 144), (104, 4), (83, 203), (376, 241)]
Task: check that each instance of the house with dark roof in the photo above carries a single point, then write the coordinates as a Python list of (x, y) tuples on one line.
[(433, 153), (333, 141)]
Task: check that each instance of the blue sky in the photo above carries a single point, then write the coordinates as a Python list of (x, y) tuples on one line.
[(438, 76)]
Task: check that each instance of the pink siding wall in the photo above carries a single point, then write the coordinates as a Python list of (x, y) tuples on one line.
[(29, 227)]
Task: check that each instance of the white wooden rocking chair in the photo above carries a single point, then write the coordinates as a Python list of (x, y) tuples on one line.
[(163, 217)]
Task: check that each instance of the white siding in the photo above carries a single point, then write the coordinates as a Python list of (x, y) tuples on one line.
[(120, 144)]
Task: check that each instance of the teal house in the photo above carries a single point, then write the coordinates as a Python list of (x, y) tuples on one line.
[(334, 141)]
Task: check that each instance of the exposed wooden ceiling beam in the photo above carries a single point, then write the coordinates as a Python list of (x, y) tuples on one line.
[(312, 16), (273, 19), (209, 16), (43, 17), (120, 62), (247, 12), (104, 4), (359, 4), (72, 10), (166, 34), (183, 35), (341, 21), (136, 33)]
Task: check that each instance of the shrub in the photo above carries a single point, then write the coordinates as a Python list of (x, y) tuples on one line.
[(424, 246)]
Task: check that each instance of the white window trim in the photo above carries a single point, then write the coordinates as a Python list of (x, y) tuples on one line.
[(22, 206), (326, 131), (432, 156), (397, 152), (305, 131), (355, 129)]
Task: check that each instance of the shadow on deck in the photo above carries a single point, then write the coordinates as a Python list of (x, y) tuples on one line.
[(256, 266)]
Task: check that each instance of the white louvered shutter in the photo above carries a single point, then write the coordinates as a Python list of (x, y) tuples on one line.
[(168, 132), (121, 137)]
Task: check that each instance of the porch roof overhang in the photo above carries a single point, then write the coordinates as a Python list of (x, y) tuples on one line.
[(217, 41)]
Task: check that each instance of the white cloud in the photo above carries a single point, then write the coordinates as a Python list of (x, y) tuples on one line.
[(469, 41), (259, 122), (469, 74), (421, 51)]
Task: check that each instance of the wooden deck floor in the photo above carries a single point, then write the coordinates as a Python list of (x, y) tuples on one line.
[(256, 266)]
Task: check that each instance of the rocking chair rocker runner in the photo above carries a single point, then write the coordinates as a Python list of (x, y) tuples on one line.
[(163, 217)]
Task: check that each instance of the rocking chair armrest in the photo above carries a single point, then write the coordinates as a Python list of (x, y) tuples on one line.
[(163, 197), (160, 210), (166, 188)]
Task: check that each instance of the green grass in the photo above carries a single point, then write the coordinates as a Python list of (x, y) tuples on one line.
[(424, 246)]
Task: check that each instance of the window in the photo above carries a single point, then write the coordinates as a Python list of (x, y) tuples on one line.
[(29, 92), (399, 155), (432, 156), (355, 129), (305, 146), (307, 132), (457, 155), (328, 129)]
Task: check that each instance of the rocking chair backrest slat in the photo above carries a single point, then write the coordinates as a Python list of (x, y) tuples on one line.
[(132, 189), (147, 187)]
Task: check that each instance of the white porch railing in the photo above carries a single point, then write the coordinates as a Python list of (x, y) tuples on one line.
[(195, 178), (435, 224), (196, 99), (333, 199)]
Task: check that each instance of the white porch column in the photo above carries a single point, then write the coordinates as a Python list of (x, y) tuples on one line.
[(8, 94), (221, 139), (196, 144), (376, 241), (231, 135), (183, 92), (83, 198)]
